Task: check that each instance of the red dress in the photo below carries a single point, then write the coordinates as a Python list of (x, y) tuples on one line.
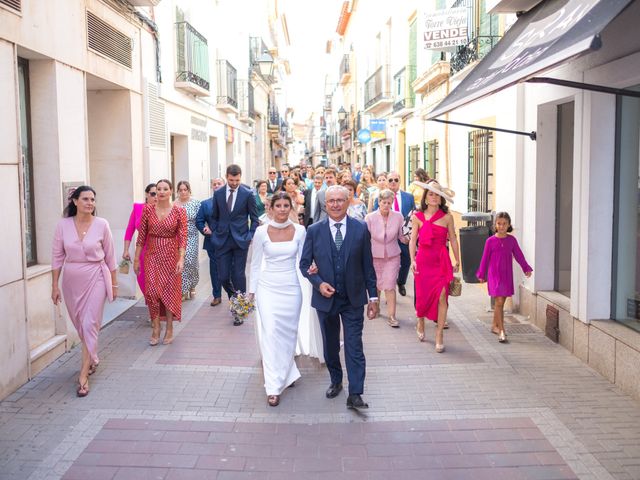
[(433, 265), (163, 239)]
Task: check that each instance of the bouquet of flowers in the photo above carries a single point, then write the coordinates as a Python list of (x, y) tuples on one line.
[(123, 266), (240, 306)]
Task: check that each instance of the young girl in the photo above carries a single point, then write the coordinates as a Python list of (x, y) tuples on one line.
[(497, 259)]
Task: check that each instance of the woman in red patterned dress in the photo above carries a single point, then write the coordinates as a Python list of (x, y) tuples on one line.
[(163, 227)]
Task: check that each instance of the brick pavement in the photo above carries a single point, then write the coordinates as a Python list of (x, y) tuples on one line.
[(197, 409)]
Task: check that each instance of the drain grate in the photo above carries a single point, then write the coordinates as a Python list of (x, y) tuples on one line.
[(522, 329)]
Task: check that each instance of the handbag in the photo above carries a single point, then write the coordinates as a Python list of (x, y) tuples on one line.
[(455, 287), (124, 267)]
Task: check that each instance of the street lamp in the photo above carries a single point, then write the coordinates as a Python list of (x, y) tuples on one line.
[(265, 64), (342, 114)]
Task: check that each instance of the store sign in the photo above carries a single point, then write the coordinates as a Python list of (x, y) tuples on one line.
[(445, 29), (378, 128), (364, 135)]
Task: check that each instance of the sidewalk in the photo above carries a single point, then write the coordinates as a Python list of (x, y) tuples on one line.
[(197, 409)]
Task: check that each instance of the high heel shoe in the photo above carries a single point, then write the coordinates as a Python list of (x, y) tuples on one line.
[(420, 334), (168, 338), (439, 348), (502, 337), (93, 368), (155, 336)]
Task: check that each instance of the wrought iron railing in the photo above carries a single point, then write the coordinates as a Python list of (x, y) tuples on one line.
[(376, 87), (403, 94), (245, 99), (192, 54), (473, 51), (274, 118), (227, 84)]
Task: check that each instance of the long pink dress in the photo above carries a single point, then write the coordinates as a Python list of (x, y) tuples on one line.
[(433, 264), (86, 279), (134, 224), (497, 264)]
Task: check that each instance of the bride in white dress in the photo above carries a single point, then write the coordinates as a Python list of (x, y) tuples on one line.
[(277, 246)]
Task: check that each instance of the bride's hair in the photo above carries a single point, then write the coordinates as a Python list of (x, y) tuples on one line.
[(281, 195)]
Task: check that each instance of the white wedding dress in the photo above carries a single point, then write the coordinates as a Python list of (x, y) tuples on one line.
[(275, 280)]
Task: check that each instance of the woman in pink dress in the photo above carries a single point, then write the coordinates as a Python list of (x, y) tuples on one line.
[(163, 229), (497, 261), (134, 223), (432, 269), (83, 252), (385, 227)]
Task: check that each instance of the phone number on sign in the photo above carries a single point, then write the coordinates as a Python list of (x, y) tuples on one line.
[(443, 44)]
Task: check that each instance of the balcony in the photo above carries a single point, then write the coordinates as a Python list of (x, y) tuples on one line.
[(327, 103), (227, 87), (473, 51), (345, 70), (377, 94), (192, 53), (246, 111), (274, 120), (435, 75), (403, 95)]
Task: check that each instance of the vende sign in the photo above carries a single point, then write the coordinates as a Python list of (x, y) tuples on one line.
[(445, 29)]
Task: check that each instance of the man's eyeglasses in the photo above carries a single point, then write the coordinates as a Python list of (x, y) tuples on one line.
[(393, 180), (337, 201), (284, 171), (152, 194)]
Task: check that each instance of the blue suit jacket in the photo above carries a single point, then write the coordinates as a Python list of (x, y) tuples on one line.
[(360, 277), (202, 218), (241, 223), (408, 203)]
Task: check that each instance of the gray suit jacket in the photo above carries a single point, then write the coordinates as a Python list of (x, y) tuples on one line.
[(321, 207)]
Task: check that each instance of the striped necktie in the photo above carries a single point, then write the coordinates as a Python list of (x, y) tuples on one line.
[(338, 238)]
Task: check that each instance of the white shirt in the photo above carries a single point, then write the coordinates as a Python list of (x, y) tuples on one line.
[(314, 199), (334, 230), (235, 196)]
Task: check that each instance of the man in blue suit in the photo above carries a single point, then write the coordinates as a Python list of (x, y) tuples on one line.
[(202, 224), (340, 247), (405, 204), (233, 222)]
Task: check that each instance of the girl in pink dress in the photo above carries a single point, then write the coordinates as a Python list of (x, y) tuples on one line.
[(431, 264), (499, 251), (83, 251), (134, 224)]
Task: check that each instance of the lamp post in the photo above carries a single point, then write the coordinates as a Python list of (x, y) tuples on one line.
[(265, 64), (342, 114)]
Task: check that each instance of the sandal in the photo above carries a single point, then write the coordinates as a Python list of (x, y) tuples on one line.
[(155, 336), (420, 334), (83, 389), (502, 337), (168, 338), (273, 400), (93, 368)]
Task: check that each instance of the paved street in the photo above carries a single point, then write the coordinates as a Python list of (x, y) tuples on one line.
[(197, 409)]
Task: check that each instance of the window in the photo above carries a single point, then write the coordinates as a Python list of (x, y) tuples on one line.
[(414, 158), (480, 171), (431, 158), (625, 300), (27, 162)]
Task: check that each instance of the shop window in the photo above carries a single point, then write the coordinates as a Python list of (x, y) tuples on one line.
[(27, 163), (481, 167), (626, 241)]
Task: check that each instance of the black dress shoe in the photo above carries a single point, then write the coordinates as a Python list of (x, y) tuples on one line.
[(355, 402), (333, 390), (238, 321), (402, 290)]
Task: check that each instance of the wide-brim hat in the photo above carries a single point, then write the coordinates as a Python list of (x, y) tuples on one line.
[(435, 187)]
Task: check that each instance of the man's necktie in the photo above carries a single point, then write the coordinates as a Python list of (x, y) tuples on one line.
[(396, 206), (230, 199), (338, 238)]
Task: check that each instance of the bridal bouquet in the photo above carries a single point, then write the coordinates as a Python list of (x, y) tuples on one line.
[(241, 306)]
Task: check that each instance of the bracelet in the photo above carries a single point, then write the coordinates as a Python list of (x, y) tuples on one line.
[(114, 286)]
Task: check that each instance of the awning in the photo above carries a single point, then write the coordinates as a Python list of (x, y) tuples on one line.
[(550, 34)]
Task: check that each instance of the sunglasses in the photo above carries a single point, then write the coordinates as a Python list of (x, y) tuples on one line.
[(272, 173), (152, 194), (393, 180)]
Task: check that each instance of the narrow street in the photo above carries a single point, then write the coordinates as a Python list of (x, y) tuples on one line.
[(197, 409)]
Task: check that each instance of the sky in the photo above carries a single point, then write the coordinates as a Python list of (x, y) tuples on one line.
[(311, 23)]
